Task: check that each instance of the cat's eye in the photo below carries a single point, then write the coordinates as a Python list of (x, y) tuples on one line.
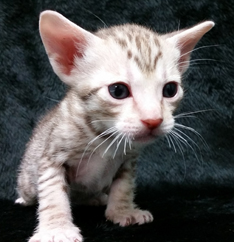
[(119, 91), (170, 89)]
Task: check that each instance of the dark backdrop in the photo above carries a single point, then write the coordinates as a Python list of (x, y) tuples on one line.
[(190, 191)]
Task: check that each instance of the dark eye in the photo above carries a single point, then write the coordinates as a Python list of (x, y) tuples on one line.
[(170, 89), (119, 91)]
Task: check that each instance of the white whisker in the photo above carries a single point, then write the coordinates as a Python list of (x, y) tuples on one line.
[(182, 133), (188, 114), (181, 148), (195, 132), (171, 140), (168, 141), (195, 60), (198, 48), (123, 135), (125, 144), (103, 120), (87, 10), (112, 142), (184, 141), (106, 132), (129, 142), (102, 143)]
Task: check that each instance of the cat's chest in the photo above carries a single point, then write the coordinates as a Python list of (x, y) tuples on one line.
[(93, 171)]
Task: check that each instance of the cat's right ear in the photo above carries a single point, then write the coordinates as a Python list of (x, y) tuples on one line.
[(65, 43)]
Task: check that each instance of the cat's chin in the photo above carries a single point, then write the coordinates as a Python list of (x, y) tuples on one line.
[(145, 139)]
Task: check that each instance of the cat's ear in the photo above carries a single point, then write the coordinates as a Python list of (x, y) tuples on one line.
[(187, 39), (64, 42)]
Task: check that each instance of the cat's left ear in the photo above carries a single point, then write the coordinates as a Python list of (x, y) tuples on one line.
[(187, 39)]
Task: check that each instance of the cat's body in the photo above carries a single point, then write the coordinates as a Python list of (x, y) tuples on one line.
[(125, 84), (64, 134)]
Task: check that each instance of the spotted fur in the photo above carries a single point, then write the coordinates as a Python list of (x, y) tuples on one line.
[(86, 147)]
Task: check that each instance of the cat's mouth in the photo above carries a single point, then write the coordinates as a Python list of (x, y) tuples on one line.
[(149, 136), (144, 138)]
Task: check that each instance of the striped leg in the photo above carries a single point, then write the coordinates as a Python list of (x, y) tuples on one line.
[(55, 220), (121, 208)]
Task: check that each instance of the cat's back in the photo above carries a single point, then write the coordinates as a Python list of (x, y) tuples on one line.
[(61, 130), (40, 135)]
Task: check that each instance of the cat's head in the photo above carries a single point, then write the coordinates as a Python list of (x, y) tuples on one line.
[(128, 78)]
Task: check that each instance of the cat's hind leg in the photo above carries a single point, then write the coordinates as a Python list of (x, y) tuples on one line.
[(26, 187)]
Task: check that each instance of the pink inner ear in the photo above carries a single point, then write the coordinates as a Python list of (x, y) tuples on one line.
[(67, 52), (63, 48), (63, 41)]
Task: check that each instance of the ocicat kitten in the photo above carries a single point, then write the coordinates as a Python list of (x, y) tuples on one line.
[(125, 84)]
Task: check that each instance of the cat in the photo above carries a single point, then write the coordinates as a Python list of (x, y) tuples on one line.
[(125, 83)]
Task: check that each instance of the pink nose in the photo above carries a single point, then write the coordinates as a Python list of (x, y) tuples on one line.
[(152, 123)]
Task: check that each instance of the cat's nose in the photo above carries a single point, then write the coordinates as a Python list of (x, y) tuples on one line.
[(152, 123)]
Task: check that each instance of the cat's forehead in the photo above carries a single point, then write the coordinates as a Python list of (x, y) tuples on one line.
[(138, 44), (130, 37), (127, 30)]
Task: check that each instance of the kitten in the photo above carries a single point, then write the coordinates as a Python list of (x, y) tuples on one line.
[(125, 83)]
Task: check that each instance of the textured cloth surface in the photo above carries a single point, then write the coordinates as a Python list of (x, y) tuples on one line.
[(190, 191)]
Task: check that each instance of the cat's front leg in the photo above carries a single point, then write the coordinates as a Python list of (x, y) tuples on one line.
[(121, 208), (54, 213)]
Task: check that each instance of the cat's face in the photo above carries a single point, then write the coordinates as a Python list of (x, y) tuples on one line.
[(128, 78), (136, 99)]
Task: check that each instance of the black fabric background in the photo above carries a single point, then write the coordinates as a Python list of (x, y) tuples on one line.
[(191, 195)]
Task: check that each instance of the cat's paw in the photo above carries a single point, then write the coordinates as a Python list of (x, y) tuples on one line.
[(21, 201), (57, 235), (129, 217)]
